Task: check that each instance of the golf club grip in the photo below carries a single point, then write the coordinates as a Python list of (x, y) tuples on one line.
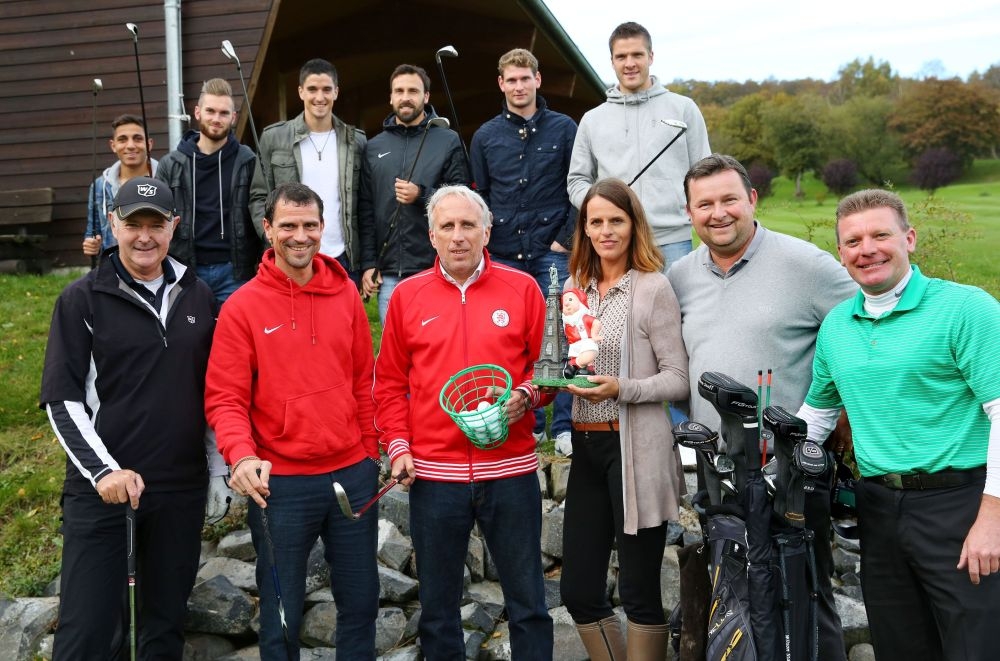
[(130, 540)]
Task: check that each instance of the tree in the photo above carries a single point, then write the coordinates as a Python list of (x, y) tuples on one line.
[(840, 175), (947, 114), (761, 177), (857, 78), (936, 168), (859, 130), (791, 130), (743, 132)]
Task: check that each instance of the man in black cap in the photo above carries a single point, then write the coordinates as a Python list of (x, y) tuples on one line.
[(123, 386)]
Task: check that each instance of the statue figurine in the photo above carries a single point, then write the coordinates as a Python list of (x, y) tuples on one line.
[(583, 332)]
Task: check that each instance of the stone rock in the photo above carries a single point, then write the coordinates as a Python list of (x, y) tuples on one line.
[(44, 651), (475, 558), (318, 654), (395, 507), (567, 643), (412, 624), (408, 653), (217, 606), (23, 624), (317, 571), (670, 578), (251, 653), (206, 647), (390, 626), (473, 643), (543, 480), (474, 616), (394, 549), (491, 573), (237, 544), (489, 595), (552, 525), (395, 586), (319, 625), (497, 648), (846, 562), (853, 620), (851, 592), (851, 579), (320, 596), (560, 478), (861, 652), (241, 574), (553, 598)]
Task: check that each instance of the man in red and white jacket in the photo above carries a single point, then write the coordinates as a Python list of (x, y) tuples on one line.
[(465, 311)]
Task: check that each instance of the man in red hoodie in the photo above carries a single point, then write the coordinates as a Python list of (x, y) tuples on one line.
[(465, 311), (288, 393)]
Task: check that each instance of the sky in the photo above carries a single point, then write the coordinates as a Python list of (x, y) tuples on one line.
[(790, 39)]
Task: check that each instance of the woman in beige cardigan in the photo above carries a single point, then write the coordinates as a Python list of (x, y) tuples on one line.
[(625, 481)]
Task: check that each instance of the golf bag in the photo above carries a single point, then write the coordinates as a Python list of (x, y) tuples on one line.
[(730, 636)]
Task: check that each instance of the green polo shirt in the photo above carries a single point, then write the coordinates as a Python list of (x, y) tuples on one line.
[(913, 380)]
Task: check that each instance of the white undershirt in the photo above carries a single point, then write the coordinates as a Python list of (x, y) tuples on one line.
[(323, 176)]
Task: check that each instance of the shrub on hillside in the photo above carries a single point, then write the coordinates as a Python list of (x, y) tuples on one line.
[(840, 175), (936, 168), (761, 177)]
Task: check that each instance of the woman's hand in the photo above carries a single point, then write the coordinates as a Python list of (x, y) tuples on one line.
[(607, 388)]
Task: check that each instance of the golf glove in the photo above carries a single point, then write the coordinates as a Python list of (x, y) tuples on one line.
[(219, 497)]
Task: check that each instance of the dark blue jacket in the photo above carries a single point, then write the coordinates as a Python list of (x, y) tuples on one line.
[(520, 167)]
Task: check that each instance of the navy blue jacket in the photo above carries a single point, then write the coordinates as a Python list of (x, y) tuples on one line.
[(520, 167)]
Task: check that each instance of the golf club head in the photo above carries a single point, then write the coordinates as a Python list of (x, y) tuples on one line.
[(770, 475), (696, 436), (445, 51), (343, 501), (724, 465), (728, 488), (439, 121), (134, 29), (728, 395), (676, 123), (787, 428), (229, 51), (810, 458), (97, 85)]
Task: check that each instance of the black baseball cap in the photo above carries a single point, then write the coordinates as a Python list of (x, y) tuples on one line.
[(144, 193)]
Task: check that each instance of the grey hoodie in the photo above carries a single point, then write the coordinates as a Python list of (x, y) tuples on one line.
[(620, 136)]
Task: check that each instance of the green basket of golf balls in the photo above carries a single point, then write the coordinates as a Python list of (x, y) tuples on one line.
[(476, 399)]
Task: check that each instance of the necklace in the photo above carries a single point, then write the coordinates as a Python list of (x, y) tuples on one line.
[(319, 152)]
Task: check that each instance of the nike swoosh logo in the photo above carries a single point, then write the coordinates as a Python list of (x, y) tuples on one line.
[(268, 331), (427, 321), (385, 154)]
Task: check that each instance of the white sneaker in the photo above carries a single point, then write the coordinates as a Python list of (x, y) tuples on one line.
[(564, 444), (540, 437)]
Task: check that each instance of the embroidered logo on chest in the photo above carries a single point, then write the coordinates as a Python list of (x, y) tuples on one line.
[(500, 318)]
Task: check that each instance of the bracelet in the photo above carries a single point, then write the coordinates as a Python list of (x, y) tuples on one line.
[(237, 464)]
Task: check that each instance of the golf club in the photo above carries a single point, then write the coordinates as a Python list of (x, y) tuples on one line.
[(434, 121), (269, 546), (130, 555), (736, 405), (134, 31), (91, 230), (448, 51), (789, 432), (676, 123), (345, 502), (230, 53)]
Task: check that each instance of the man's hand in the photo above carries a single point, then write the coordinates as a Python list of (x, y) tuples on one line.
[(370, 281), (607, 389), (403, 470), (841, 439), (518, 406), (92, 246), (219, 497), (251, 478), (121, 486), (557, 247), (981, 550), (407, 192)]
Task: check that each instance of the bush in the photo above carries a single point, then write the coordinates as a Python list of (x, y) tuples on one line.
[(936, 168), (761, 177), (840, 176)]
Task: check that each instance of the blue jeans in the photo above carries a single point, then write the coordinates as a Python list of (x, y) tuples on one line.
[(538, 267), (385, 290), (674, 251), (220, 278), (301, 509), (509, 513)]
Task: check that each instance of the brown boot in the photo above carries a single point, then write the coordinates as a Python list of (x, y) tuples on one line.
[(647, 642), (603, 640)]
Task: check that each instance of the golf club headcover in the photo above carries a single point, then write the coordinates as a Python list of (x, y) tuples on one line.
[(788, 430), (736, 405)]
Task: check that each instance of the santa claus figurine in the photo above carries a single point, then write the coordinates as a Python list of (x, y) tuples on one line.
[(583, 332)]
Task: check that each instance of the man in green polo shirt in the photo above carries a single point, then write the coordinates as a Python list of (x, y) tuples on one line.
[(915, 361)]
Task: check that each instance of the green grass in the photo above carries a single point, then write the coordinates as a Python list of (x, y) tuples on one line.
[(964, 217)]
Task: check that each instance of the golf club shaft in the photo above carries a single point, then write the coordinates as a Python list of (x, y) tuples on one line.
[(655, 158), (269, 545), (142, 98), (246, 98), (93, 231), (451, 102), (384, 490), (130, 561)]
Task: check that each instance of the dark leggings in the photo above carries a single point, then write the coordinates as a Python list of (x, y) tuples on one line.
[(593, 522)]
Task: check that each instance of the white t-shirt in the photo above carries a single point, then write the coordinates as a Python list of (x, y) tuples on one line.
[(321, 172)]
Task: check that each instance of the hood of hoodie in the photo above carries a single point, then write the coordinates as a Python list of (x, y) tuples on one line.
[(390, 124), (189, 147), (329, 277), (615, 95)]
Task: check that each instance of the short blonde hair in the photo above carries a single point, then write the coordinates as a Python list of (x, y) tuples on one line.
[(519, 57)]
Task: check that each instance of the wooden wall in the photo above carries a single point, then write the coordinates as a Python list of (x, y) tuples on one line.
[(51, 52)]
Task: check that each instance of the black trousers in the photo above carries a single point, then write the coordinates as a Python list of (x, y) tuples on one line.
[(93, 606), (594, 520), (919, 605)]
